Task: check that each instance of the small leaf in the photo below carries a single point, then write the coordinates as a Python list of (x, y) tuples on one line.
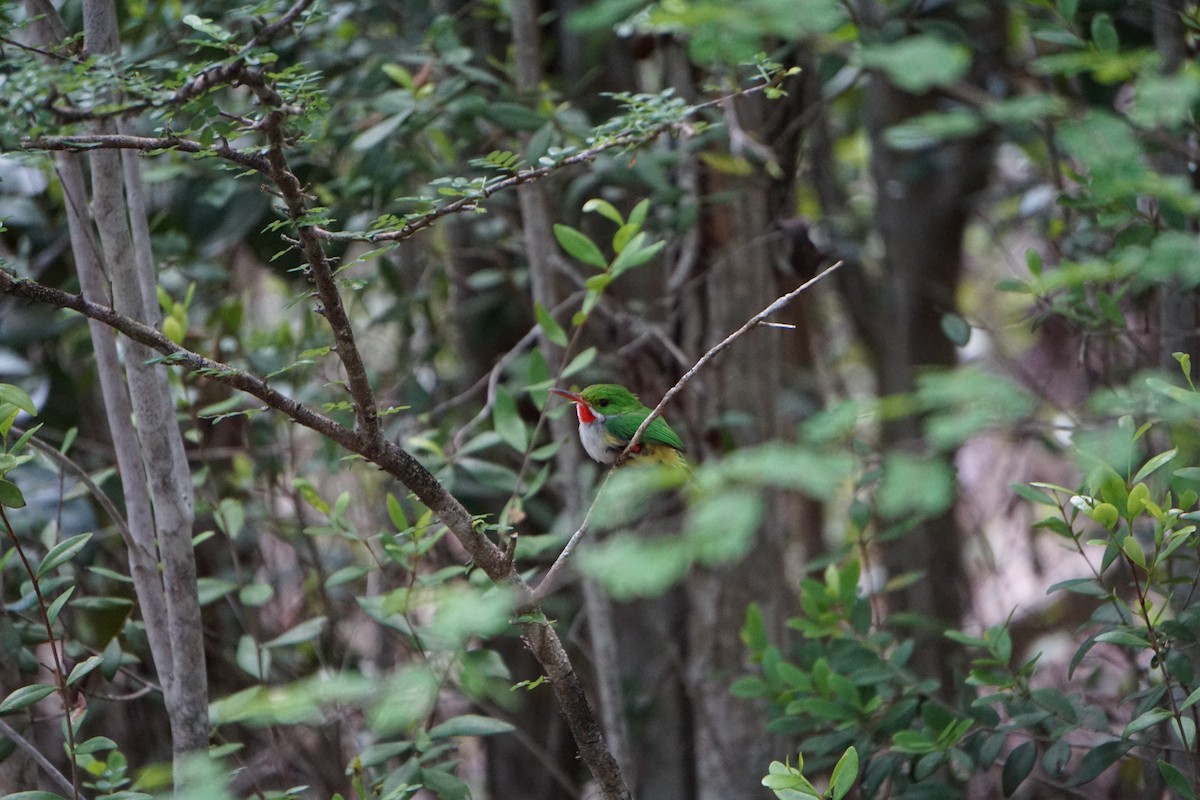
[(1099, 759), (1147, 720), (1033, 260), (10, 495), (1033, 495), (507, 421), (57, 606), (1104, 34), (470, 725), (25, 697), (96, 744), (956, 329), (1154, 463), (83, 668), (304, 632), (396, 513), (1133, 549), (578, 245), (604, 209), (580, 362), (62, 553), (844, 774), (545, 320), (17, 396), (1017, 767), (1178, 782)]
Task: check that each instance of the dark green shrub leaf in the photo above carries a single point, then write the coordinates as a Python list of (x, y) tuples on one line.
[(62, 552), (25, 697), (845, 772), (1099, 759), (10, 495), (1178, 782), (1017, 767), (470, 725)]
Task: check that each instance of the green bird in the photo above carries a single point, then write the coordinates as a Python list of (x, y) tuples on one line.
[(609, 415)]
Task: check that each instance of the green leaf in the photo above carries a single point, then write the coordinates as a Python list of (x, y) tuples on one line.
[(1178, 782), (57, 606), (396, 513), (845, 772), (1099, 759), (1104, 34), (507, 421), (604, 209), (17, 396), (255, 594), (1017, 767), (25, 697), (62, 552), (956, 329), (635, 254), (83, 668), (1133, 549), (580, 362), (34, 796), (550, 327), (96, 744), (445, 785), (304, 632), (915, 484), (1033, 495), (1155, 463), (10, 495), (1147, 720), (919, 63), (578, 245), (470, 725), (1123, 638)]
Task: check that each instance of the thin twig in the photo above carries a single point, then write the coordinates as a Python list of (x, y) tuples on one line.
[(30, 750), (751, 323), (546, 584), (110, 508)]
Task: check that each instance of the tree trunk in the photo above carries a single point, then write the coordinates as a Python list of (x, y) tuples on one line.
[(922, 203)]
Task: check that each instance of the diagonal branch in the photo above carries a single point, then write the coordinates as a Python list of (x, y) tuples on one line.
[(539, 635), (753, 322)]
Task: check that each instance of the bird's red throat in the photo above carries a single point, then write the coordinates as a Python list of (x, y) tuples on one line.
[(585, 414)]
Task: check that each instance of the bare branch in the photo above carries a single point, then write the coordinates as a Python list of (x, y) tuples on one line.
[(753, 322), (33, 752)]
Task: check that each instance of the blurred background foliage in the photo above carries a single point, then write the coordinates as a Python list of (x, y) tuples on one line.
[(990, 399)]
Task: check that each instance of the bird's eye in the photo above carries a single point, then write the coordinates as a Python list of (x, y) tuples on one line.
[(603, 403)]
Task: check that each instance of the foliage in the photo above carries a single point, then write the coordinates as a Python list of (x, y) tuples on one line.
[(336, 605)]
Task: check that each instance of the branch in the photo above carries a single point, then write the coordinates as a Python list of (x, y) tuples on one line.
[(522, 177), (538, 633), (30, 750), (112, 141), (753, 322)]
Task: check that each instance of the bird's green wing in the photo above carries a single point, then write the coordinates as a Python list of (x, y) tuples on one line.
[(623, 426)]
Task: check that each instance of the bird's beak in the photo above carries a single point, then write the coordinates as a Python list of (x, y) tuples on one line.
[(572, 396)]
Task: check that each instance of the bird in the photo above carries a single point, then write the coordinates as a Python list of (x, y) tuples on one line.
[(609, 415)]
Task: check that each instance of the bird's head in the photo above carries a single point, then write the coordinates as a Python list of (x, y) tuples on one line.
[(601, 400)]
